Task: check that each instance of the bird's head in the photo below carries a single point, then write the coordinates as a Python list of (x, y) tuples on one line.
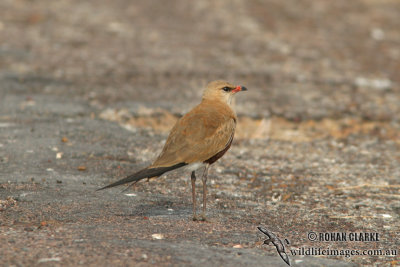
[(222, 91)]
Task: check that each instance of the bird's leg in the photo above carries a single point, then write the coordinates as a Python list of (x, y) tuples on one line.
[(204, 179), (193, 179)]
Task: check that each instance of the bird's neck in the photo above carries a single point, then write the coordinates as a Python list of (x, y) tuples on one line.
[(228, 101), (228, 107)]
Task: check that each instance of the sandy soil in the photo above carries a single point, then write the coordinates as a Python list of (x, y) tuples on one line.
[(90, 89)]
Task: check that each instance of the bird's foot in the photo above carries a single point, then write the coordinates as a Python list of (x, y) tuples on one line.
[(203, 217)]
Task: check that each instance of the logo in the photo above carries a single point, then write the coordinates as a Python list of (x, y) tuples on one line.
[(277, 242)]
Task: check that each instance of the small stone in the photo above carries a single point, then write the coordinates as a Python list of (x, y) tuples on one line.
[(157, 236), (377, 34)]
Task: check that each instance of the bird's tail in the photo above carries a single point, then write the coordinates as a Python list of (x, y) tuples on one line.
[(145, 173)]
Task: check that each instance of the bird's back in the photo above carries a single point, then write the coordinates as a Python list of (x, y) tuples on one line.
[(199, 135)]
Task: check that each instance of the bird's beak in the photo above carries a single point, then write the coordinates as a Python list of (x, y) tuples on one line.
[(239, 88)]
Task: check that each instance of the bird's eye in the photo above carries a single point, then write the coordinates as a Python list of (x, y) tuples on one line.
[(226, 89)]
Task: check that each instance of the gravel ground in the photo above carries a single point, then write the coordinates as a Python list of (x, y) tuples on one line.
[(90, 89)]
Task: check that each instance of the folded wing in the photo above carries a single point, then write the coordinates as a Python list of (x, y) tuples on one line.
[(198, 136)]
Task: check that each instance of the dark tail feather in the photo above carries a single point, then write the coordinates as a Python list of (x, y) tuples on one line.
[(145, 173)]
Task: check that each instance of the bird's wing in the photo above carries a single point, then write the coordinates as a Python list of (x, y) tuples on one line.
[(199, 135)]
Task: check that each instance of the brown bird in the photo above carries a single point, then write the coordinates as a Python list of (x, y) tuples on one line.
[(198, 139)]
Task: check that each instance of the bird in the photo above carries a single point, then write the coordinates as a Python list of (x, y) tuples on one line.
[(197, 140)]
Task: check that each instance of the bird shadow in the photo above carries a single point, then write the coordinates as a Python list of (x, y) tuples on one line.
[(159, 208)]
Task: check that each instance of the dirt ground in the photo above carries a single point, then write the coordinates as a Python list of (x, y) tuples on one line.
[(90, 89)]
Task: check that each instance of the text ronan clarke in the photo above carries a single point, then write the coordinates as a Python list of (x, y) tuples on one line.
[(353, 236)]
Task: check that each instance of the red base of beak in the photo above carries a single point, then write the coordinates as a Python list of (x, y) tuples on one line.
[(239, 88)]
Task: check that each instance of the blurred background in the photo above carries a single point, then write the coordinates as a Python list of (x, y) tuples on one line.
[(301, 59), (317, 145)]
